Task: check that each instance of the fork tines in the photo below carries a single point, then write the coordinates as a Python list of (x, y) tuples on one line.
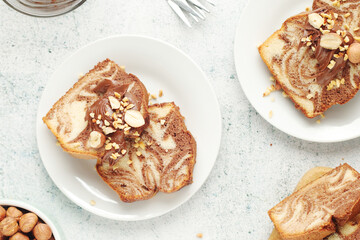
[(192, 8)]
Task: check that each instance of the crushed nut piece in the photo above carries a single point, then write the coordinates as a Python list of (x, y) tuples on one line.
[(199, 235), (331, 64), (108, 146), (138, 153), (123, 151), (161, 93), (117, 94), (92, 115), (269, 90), (162, 121)]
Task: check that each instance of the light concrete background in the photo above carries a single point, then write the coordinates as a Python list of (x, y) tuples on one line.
[(249, 177)]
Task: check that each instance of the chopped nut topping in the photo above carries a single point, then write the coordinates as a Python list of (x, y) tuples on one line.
[(335, 84), (92, 115), (107, 114), (129, 162), (331, 64), (142, 145), (108, 146), (125, 99), (269, 90), (162, 121), (106, 123), (114, 103), (123, 151), (93, 120), (347, 15), (98, 122), (138, 153), (108, 130), (117, 94), (116, 146)]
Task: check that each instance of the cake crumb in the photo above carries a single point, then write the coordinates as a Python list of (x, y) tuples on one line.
[(270, 114), (199, 235), (122, 67), (284, 94), (161, 93), (269, 90), (318, 121), (307, 9), (92, 203)]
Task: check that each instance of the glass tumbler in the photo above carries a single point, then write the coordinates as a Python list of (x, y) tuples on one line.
[(44, 8)]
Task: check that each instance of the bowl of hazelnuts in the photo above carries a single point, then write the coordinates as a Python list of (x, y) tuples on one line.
[(21, 221)]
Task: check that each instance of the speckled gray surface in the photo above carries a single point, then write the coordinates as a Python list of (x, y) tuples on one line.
[(249, 177)]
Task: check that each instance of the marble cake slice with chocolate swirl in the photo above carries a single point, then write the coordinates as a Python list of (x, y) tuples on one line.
[(314, 77), (162, 159), (86, 109), (350, 231), (314, 211)]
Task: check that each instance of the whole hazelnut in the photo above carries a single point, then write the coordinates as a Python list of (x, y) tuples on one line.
[(27, 222), (14, 213), (19, 236), (2, 213), (9, 226), (353, 53), (42, 231)]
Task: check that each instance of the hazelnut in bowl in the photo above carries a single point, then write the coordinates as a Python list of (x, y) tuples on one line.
[(21, 221)]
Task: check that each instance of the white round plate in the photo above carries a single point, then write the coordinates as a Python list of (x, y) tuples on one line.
[(159, 66), (40, 214), (256, 24)]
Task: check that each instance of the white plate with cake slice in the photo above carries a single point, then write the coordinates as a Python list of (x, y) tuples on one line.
[(160, 66), (341, 122)]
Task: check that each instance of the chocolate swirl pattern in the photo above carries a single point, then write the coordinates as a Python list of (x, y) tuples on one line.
[(69, 117), (162, 159), (313, 211)]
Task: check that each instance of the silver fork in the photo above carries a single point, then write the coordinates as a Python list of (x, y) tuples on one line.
[(193, 8)]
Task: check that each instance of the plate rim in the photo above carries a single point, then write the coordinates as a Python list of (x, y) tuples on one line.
[(262, 114), (103, 213)]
